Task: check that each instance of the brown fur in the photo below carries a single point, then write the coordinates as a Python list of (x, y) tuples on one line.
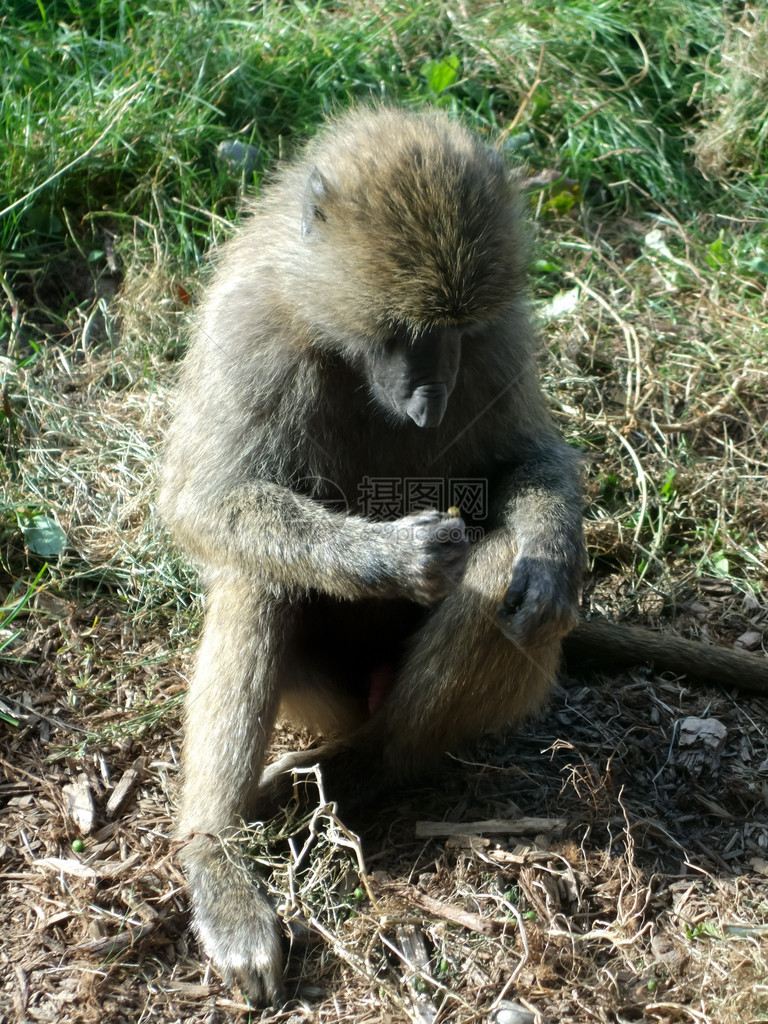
[(390, 253), (608, 646)]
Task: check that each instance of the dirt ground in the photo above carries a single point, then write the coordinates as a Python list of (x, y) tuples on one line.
[(590, 868), (609, 863)]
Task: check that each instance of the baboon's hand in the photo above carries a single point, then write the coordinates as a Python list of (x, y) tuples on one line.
[(237, 925), (540, 605), (430, 550)]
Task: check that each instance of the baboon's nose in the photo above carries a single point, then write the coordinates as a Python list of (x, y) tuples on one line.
[(427, 405)]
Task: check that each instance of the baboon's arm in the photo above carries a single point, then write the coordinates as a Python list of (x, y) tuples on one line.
[(542, 503), (269, 529), (541, 508), (297, 543)]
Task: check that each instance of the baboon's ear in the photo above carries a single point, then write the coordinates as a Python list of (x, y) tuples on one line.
[(315, 193)]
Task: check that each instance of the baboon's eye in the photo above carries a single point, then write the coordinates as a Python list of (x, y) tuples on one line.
[(398, 337)]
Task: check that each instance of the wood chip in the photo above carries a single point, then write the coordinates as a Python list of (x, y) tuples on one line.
[(66, 866), (521, 856), (78, 800), (749, 641), (446, 911), (112, 944), (414, 951), (700, 744), (510, 826), (124, 787)]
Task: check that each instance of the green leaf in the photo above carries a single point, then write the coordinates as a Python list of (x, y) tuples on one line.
[(717, 253), (43, 536), (440, 74), (668, 488), (720, 563), (559, 204)]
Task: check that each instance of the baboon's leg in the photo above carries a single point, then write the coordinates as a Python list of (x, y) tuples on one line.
[(230, 713), (461, 676)]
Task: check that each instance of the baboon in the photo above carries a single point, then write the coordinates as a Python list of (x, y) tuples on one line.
[(362, 360)]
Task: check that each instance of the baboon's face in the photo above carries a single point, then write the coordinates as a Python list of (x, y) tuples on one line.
[(413, 374)]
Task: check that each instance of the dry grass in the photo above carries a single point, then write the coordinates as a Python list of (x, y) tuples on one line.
[(586, 869), (642, 896), (734, 139)]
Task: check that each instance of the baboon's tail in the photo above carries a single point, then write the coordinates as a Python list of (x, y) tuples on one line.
[(605, 645)]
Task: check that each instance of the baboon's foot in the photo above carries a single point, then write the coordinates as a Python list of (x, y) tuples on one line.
[(349, 774), (290, 777), (236, 924)]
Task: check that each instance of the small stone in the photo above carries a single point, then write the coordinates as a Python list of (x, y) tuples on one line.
[(239, 156), (749, 641), (664, 949), (511, 1013)]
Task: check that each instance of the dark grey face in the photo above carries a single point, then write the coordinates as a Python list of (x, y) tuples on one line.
[(413, 376)]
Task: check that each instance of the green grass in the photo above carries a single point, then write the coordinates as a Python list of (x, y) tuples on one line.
[(112, 192), (110, 113), (616, 99), (650, 275)]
